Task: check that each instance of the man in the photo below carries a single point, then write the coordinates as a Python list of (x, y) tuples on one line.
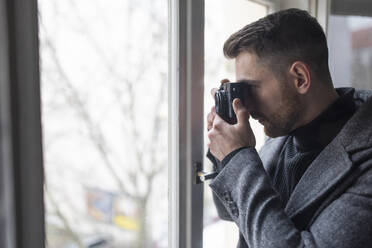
[(311, 184)]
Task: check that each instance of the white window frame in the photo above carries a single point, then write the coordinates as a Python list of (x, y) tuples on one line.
[(186, 87)]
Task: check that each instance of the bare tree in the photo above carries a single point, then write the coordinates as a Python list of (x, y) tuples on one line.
[(135, 183)]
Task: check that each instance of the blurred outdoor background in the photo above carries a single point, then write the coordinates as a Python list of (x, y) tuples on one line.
[(104, 111)]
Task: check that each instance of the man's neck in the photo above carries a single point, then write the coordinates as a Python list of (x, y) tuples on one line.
[(316, 103), (322, 130)]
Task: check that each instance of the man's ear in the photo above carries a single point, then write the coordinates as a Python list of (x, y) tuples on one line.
[(300, 72)]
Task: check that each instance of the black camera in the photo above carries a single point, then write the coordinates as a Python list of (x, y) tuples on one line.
[(224, 99)]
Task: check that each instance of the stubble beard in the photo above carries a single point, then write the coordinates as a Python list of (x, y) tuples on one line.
[(282, 122)]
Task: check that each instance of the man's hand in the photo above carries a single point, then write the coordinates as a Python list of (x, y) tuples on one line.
[(225, 138), (212, 114)]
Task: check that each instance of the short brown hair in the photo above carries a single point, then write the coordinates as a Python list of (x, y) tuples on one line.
[(282, 38)]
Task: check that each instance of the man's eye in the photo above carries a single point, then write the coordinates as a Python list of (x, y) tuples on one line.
[(249, 92), (253, 88)]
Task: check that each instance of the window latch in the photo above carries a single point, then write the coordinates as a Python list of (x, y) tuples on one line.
[(202, 176)]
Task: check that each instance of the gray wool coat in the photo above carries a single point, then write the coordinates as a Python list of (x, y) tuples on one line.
[(331, 205)]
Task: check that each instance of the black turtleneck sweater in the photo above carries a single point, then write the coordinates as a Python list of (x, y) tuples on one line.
[(305, 143)]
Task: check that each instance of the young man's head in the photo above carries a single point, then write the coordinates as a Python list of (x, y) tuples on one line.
[(284, 56)]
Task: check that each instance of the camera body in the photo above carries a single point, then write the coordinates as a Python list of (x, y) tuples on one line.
[(224, 99)]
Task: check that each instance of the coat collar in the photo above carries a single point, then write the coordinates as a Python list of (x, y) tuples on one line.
[(357, 133), (333, 164), (325, 172)]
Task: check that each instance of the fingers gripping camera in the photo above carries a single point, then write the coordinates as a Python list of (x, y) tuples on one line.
[(224, 99)]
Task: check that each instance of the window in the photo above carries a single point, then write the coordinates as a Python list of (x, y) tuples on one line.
[(104, 106), (350, 31)]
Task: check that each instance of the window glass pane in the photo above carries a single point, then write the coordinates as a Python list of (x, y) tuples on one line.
[(350, 50), (104, 70), (223, 18)]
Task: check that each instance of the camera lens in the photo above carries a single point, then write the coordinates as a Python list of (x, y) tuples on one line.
[(218, 100), (221, 102)]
